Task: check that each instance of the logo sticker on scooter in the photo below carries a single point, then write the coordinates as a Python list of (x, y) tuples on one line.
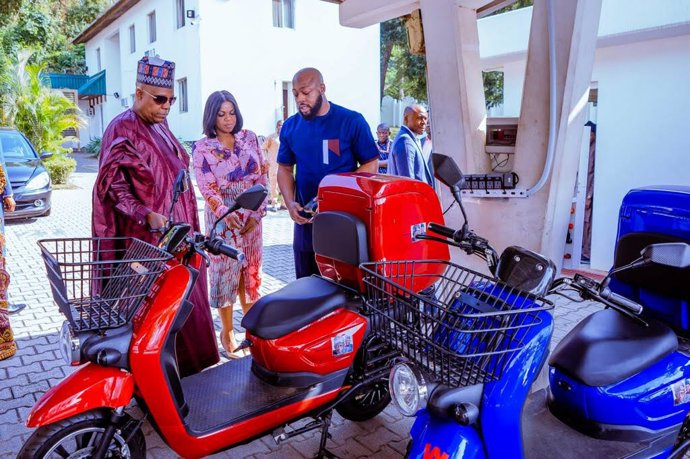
[(342, 343), (138, 268), (417, 230), (681, 392)]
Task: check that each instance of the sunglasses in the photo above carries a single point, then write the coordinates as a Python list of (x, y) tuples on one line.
[(160, 100)]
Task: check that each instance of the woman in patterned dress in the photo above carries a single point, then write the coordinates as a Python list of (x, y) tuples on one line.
[(227, 162), (7, 345)]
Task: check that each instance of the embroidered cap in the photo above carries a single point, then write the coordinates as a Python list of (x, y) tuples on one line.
[(155, 71)]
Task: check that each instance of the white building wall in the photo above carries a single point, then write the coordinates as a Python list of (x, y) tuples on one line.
[(233, 45), (243, 53), (641, 70), (179, 45), (642, 124)]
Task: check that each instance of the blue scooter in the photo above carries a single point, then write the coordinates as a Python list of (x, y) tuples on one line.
[(473, 345)]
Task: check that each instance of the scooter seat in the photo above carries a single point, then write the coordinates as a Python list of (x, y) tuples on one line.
[(608, 347), (297, 304)]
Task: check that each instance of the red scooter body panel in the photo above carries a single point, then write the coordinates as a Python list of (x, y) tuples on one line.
[(90, 387), (393, 209), (148, 340), (322, 347), (146, 352)]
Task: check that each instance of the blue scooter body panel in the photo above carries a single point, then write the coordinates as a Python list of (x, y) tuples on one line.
[(644, 400), (435, 438), (664, 211), (501, 409)]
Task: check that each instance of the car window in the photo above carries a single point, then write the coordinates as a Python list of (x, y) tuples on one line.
[(14, 146)]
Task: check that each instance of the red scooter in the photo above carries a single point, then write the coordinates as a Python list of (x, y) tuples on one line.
[(311, 347)]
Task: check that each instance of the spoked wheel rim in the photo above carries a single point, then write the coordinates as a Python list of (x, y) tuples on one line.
[(371, 395), (82, 443)]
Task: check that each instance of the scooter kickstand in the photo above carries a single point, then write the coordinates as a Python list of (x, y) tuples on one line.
[(323, 452)]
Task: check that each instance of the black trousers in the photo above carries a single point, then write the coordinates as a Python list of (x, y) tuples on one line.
[(305, 259)]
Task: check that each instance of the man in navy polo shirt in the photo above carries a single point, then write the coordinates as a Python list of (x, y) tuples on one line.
[(321, 139)]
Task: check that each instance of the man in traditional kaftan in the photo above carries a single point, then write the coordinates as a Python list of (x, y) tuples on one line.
[(139, 161)]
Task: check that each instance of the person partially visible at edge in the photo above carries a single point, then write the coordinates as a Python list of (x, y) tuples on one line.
[(383, 143), (270, 147), (406, 158), (322, 138), (139, 161), (8, 347), (227, 162)]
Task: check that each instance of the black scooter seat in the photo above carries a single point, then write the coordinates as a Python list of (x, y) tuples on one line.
[(608, 347), (297, 304)]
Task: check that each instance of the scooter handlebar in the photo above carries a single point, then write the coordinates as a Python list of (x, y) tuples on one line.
[(442, 230), (621, 301), (217, 247)]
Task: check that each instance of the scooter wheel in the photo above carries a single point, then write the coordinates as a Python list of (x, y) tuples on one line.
[(366, 402), (71, 438)]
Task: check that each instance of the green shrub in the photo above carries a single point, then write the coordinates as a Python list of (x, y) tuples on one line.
[(93, 147), (60, 167)]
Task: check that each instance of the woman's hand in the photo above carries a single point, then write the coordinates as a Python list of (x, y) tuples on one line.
[(233, 221), (8, 204), (252, 224)]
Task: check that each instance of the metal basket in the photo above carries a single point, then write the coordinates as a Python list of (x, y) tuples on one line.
[(462, 327), (99, 283)]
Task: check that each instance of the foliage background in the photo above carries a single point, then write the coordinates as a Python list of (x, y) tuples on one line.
[(404, 74), (36, 37)]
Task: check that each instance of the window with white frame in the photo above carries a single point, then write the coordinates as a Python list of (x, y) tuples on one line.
[(152, 26), (180, 13), (182, 95), (132, 40), (284, 13)]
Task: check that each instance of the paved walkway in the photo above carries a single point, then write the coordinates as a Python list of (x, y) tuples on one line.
[(38, 364)]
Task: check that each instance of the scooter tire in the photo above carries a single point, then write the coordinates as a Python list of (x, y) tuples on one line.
[(365, 403), (45, 438)]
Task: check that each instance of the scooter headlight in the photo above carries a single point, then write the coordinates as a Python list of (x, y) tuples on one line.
[(70, 346), (408, 389)]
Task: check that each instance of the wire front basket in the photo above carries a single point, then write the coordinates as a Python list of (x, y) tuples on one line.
[(99, 283), (460, 326)]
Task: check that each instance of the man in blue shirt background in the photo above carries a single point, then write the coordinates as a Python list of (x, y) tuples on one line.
[(321, 139)]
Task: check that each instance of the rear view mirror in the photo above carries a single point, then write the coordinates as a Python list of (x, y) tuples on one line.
[(252, 198), (46, 155), (673, 254), (447, 171)]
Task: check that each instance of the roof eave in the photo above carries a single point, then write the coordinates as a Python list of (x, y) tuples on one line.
[(104, 20)]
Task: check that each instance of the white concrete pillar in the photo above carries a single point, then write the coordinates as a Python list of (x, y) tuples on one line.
[(454, 79), (458, 116)]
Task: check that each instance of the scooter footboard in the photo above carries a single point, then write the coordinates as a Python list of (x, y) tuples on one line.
[(435, 438), (89, 388)]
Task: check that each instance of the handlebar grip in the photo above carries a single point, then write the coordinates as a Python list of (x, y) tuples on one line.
[(622, 301), (216, 246), (442, 230)]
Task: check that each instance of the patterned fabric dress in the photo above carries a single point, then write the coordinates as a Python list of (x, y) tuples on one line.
[(222, 175)]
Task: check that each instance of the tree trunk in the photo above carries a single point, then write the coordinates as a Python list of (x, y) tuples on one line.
[(385, 59)]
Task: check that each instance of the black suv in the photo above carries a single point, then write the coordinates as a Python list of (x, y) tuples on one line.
[(29, 178)]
